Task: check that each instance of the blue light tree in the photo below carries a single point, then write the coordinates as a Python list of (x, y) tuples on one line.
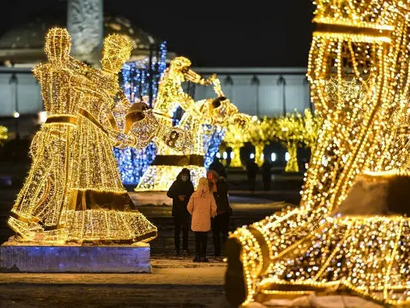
[(212, 141), (140, 82)]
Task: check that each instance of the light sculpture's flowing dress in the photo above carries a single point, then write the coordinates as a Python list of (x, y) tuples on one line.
[(73, 191)]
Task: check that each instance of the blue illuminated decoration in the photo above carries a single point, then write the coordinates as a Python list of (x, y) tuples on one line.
[(140, 83), (65, 259), (132, 163), (212, 140)]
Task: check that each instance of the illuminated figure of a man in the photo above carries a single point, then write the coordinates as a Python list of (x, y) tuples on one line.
[(197, 115)]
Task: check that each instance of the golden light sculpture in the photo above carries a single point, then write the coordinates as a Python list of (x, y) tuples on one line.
[(73, 191), (294, 131), (260, 134), (197, 115), (3, 135), (358, 71), (235, 138)]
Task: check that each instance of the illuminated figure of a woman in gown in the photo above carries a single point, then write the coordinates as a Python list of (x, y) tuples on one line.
[(73, 191)]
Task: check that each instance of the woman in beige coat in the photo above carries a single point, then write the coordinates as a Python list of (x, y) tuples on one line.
[(202, 207)]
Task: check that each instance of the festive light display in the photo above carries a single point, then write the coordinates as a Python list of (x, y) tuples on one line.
[(236, 139), (212, 140), (260, 134), (196, 119), (139, 81), (295, 130), (358, 71), (132, 163), (73, 191), (3, 135)]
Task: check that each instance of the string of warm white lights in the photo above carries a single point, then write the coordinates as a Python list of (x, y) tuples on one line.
[(293, 130), (3, 135), (196, 119), (296, 130), (260, 133), (236, 140), (358, 71), (139, 80), (73, 191)]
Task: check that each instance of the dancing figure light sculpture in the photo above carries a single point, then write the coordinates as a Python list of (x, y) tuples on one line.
[(220, 111), (74, 191)]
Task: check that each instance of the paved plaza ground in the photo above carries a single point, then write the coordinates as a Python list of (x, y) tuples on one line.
[(174, 281)]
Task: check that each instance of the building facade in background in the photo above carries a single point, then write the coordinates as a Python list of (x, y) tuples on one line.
[(260, 91), (255, 91), (22, 47)]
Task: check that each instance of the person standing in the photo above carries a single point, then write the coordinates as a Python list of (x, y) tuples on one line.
[(180, 192), (220, 223), (252, 169), (202, 207), (218, 167), (266, 174)]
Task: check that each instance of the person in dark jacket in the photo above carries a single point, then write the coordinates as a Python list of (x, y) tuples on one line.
[(218, 167), (266, 174), (180, 192), (252, 170), (220, 223)]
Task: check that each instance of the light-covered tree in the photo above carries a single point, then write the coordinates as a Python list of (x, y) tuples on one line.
[(235, 138), (3, 135), (261, 132), (295, 130)]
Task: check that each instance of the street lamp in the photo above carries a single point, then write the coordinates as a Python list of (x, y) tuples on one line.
[(282, 82), (14, 94)]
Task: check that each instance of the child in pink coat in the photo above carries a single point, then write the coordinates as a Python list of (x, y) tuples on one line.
[(202, 207)]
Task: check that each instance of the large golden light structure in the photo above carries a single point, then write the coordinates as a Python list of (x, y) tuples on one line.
[(260, 133), (235, 139), (73, 191), (217, 111), (358, 70)]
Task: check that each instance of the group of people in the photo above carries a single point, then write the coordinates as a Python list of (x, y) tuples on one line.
[(252, 170), (204, 209)]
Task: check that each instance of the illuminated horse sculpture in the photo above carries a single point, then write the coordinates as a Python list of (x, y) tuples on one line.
[(197, 116)]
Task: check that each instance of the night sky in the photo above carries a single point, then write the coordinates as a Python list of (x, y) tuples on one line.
[(224, 35)]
